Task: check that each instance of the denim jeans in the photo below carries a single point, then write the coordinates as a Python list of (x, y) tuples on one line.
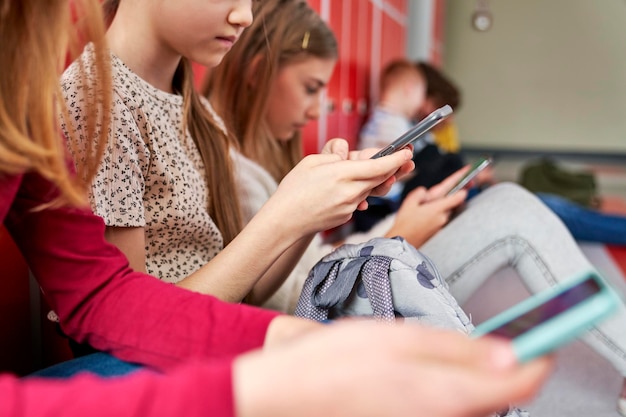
[(586, 224), (100, 363)]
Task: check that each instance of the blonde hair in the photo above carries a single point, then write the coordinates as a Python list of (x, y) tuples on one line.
[(36, 37), (212, 143), (283, 31)]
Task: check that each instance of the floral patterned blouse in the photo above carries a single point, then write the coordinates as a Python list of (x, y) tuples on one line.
[(152, 174)]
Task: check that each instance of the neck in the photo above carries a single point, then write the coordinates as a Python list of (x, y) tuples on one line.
[(131, 39)]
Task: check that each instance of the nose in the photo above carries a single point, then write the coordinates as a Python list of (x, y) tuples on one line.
[(241, 14), (313, 111)]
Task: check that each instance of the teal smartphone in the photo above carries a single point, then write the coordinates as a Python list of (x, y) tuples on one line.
[(478, 166), (554, 317)]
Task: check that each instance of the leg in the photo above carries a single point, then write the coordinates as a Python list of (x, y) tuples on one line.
[(504, 226), (586, 224)]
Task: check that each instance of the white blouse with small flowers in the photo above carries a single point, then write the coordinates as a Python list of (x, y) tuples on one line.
[(152, 174)]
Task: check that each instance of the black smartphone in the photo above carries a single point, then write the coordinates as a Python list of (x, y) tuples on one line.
[(417, 131), (478, 166)]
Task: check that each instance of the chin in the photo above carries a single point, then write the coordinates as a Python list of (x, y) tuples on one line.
[(286, 135), (209, 60)]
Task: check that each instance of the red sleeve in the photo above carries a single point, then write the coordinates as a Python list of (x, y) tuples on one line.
[(101, 301), (190, 391)]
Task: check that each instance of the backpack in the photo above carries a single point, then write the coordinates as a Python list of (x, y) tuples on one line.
[(545, 176), (383, 278)]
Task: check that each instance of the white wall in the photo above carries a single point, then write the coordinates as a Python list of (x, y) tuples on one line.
[(549, 75), (419, 40)]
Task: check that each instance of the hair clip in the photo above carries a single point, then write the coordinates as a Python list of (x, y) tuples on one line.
[(305, 40)]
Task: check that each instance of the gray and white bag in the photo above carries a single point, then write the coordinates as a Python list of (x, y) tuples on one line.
[(382, 278)]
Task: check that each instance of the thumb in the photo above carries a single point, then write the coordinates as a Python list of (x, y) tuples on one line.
[(337, 146), (454, 200), (416, 196)]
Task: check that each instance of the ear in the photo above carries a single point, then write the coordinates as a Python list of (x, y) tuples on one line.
[(252, 72)]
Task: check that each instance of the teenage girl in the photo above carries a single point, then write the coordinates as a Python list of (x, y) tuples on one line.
[(165, 186)]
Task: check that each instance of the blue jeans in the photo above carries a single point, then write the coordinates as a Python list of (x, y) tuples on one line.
[(100, 363), (586, 224)]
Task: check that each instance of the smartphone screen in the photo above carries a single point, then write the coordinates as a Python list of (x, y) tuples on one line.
[(416, 132), (548, 310)]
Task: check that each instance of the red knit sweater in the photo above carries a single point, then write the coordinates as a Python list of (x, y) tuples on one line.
[(99, 300)]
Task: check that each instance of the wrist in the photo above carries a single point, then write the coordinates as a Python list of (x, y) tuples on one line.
[(284, 329)]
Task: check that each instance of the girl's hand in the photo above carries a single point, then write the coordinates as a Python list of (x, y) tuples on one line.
[(323, 190), (340, 147), (440, 190), (419, 218)]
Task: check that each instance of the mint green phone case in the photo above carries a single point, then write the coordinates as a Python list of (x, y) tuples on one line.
[(564, 327)]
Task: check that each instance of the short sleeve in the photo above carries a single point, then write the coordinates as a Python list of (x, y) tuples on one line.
[(117, 190)]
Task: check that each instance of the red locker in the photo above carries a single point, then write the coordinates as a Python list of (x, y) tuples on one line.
[(369, 35)]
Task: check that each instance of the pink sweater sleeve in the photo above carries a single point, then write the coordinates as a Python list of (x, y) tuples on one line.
[(202, 389), (101, 301)]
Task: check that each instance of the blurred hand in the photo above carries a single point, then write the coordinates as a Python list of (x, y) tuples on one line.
[(419, 217), (362, 369), (440, 190)]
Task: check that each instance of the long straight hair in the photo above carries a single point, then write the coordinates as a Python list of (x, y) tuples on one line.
[(283, 32), (36, 39), (212, 143)]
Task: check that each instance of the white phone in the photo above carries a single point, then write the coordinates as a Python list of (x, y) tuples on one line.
[(414, 133)]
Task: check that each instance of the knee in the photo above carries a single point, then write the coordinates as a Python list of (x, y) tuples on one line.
[(509, 191), (514, 200)]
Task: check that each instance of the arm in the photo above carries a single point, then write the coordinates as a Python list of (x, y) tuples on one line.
[(102, 302), (197, 389), (417, 220), (254, 187), (132, 242), (321, 192), (278, 273), (424, 212)]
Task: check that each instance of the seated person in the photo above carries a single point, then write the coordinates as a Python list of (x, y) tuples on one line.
[(165, 185), (585, 224), (403, 95), (285, 78)]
